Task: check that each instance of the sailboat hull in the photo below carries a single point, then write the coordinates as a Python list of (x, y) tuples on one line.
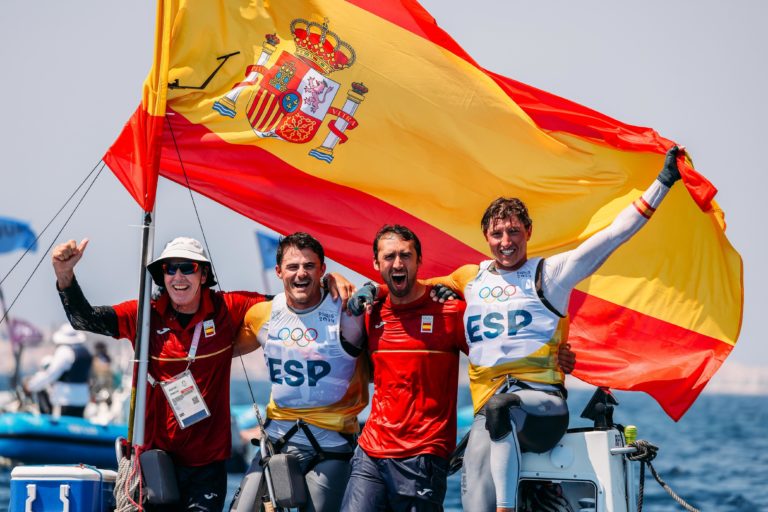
[(40, 438)]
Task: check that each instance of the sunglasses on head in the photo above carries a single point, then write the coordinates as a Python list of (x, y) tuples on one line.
[(186, 267)]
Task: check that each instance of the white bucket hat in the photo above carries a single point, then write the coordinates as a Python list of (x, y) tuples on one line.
[(67, 335), (185, 248)]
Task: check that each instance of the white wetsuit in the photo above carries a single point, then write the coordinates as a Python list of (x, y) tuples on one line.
[(487, 461)]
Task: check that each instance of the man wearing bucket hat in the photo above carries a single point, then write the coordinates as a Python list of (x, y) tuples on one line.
[(66, 374), (192, 328)]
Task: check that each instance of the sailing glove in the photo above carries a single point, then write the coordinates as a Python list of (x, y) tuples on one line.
[(670, 173), (442, 293), (361, 298)]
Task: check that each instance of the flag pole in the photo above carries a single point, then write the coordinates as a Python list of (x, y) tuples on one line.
[(141, 344)]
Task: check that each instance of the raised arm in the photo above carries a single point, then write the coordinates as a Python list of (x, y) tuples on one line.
[(82, 316), (562, 272), (64, 258)]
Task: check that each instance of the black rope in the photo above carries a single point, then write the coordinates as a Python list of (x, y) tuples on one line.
[(192, 197), (47, 250), (205, 241), (646, 452), (51, 221)]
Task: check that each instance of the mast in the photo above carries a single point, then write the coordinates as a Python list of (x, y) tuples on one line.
[(141, 344)]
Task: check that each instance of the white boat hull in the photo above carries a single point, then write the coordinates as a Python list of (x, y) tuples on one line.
[(587, 469)]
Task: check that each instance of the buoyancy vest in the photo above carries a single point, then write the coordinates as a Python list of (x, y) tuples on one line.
[(510, 331), (80, 370), (313, 377)]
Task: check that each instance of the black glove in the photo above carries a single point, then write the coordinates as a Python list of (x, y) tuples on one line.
[(442, 293), (670, 173), (363, 296)]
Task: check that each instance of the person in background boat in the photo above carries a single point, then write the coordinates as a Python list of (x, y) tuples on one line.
[(65, 375), (102, 379), (319, 382), (515, 321), (192, 329), (401, 462)]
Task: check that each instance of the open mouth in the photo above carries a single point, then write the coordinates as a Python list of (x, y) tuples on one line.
[(399, 278), (508, 252), (300, 285), (180, 287)]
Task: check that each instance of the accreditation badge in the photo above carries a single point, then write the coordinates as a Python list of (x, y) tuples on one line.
[(185, 399)]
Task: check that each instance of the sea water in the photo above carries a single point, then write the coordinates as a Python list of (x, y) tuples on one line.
[(715, 457)]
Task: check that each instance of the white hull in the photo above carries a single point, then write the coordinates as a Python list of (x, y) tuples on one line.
[(587, 468)]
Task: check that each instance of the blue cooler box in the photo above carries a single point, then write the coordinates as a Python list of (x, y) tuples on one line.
[(58, 488)]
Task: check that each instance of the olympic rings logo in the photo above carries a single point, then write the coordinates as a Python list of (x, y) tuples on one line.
[(497, 293), (297, 335)]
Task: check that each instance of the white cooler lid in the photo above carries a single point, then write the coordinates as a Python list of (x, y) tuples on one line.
[(62, 473)]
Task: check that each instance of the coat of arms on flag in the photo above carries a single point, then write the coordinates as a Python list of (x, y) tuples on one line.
[(290, 99)]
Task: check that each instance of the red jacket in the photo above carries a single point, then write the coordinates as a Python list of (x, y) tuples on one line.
[(415, 352), (210, 439)]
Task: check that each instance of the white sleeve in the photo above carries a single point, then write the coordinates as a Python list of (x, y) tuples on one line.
[(353, 329), (562, 272), (63, 359)]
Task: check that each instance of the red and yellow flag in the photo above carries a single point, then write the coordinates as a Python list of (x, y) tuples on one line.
[(135, 155), (335, 117)]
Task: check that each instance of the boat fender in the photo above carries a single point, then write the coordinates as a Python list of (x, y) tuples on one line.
[(288, 482), (159, 477), (497, 421)]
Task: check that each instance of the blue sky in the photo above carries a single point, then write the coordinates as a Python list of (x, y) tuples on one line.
[(693, 70)]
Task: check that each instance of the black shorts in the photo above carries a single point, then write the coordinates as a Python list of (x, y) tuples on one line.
[(411, 484)]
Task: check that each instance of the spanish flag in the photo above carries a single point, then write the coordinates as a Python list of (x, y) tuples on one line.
[(335, 117)]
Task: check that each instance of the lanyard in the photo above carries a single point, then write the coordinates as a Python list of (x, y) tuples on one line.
[(195, 343), (190, 355)]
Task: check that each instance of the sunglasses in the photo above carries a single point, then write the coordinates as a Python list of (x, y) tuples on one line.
[(186, 267)]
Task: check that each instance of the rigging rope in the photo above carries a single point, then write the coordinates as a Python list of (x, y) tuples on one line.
[(265, 440), (646, 452), (47, 250), (192, 197), (128, 491), (52, 219), (205, 241)]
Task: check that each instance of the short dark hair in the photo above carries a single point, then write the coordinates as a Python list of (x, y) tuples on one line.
[(299, 240), (401, 231), (505, 207)]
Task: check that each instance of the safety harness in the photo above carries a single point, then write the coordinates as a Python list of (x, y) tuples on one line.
[(320, 454)]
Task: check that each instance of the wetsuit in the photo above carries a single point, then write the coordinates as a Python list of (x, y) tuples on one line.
[(199, 451), (515, 321), (317, 377), (401, 460)]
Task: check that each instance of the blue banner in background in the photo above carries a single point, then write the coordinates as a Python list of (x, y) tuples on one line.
[(268, 249), (16, 235)]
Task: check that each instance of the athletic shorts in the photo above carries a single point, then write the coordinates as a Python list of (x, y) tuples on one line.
[(411, 484)]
